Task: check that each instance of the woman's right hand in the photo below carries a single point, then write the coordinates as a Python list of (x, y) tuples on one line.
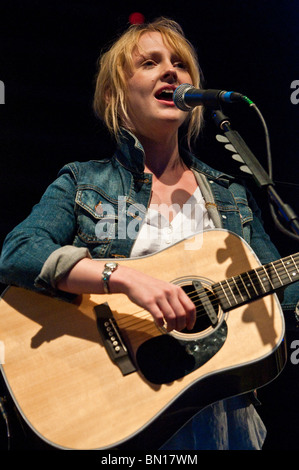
[(168, 304)]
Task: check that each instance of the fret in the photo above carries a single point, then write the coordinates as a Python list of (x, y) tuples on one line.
[(266, 278), (290, 267), (249, 284), (231, 291), (260, 283), (272, 275), (238, 290), (233, 295), (222, 300), (294, 273), (240, 277), (277, 275), (292, 258), (257, 282), (285, 268)]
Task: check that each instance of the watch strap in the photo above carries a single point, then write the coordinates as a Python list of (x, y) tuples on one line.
[(109, 268)]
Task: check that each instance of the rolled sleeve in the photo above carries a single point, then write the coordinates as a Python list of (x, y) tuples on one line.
[(58, 264)]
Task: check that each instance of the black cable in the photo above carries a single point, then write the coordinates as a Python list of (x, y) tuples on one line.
[(6, 420)]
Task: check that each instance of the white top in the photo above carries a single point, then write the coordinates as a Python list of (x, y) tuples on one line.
[(157, 233)]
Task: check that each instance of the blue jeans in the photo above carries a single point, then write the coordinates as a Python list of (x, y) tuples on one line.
[(231, 424)]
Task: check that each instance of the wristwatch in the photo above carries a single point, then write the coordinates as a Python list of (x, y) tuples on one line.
[(108, 270)]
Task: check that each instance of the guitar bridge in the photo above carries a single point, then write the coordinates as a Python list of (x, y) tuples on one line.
[(112, 339)]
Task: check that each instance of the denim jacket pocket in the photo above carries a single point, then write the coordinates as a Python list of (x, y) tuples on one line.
[(96, 217)]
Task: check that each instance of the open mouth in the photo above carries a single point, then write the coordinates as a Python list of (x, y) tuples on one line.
[(165, 95)]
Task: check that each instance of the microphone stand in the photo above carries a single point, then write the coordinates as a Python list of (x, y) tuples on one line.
[(259, 174)]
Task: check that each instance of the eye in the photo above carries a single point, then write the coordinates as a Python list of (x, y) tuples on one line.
[(148, 63), (180, 65)]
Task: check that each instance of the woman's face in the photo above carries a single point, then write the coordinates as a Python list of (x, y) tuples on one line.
[(157, 71)]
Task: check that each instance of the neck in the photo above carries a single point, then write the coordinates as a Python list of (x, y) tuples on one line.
[(161, 156)]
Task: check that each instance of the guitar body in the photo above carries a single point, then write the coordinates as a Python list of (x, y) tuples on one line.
[(71, 392)]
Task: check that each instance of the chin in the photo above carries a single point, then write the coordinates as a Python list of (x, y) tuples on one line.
[(172, 121)]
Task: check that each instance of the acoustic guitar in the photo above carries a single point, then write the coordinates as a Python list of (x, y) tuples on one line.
[(99, 374)]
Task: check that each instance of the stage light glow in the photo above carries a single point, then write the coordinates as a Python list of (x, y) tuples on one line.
[(136, 18)]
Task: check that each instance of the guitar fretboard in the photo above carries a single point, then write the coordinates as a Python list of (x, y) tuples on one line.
[(258, 282)]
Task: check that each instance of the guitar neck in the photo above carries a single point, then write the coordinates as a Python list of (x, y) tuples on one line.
[(256, 283)]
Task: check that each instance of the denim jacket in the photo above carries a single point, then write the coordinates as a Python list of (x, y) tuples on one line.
[(100, 206)]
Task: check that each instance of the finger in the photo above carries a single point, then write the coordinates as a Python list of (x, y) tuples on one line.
[(165, 317), (178, 310), (180, 313), (157, 315), (190, 310), (169, 314), (184, 309), (180, 320)]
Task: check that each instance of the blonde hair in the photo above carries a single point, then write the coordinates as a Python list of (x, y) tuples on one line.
[(110, 92)]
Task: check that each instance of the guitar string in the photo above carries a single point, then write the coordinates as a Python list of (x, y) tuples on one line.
[(236, 285), (197, 297), (200, 312)]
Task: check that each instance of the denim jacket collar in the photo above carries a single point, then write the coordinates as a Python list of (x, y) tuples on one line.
[(130, 154)]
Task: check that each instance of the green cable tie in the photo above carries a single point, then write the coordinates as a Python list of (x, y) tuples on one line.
[(248, 101)]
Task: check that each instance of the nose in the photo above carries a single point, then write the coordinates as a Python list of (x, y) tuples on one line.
[(170, 74)]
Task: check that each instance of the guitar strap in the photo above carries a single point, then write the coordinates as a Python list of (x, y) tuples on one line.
[(239, 196), (208, 196)]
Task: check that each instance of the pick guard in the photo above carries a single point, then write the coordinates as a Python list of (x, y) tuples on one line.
[(164, 358)]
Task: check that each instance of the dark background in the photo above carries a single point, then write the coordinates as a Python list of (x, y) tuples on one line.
[(48, 55)]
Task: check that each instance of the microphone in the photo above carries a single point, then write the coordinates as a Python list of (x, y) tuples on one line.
[(186, 97)]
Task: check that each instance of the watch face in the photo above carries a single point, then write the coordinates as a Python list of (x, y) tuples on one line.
[(111, 265)]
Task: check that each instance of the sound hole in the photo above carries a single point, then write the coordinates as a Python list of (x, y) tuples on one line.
[(203, 321)]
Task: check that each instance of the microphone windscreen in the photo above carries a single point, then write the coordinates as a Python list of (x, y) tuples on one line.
[(179, 94)]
